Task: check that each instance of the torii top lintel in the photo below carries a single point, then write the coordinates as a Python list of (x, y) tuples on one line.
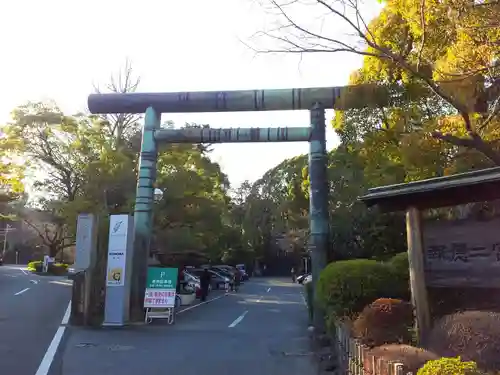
[(343, 97)]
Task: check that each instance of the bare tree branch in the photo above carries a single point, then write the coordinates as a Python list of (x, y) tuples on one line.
[(295, 37), (121, 126)]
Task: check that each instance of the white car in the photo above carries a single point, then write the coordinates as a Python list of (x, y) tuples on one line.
[(307, 279)]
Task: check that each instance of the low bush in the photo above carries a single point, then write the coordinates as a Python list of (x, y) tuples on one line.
[(57, 269), (474, 335), (54, 268), (385, 321), (35, 266), (345, 287), (411, 357), (449, 366), (400, 269)]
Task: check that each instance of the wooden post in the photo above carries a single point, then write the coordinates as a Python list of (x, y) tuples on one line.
[(417, 276)]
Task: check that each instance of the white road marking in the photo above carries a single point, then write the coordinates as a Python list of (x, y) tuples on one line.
[(23, 271), (62, 282), (48, 358), (201, 303), (268, 290), (238, 320), (22, 291), (303, 299), (67, 314)]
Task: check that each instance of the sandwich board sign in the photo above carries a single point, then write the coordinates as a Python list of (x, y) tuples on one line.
[(160, 287)]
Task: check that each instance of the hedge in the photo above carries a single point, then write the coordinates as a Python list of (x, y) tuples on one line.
[(400, 269), (345, 287), (54, 268)]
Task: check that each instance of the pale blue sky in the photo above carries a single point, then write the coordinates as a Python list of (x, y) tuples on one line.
[(57, 48)]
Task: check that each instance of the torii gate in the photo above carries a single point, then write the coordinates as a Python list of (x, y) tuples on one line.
[(316, 100)]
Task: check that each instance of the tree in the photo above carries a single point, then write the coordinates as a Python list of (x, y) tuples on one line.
[(194, 212), (53, 146), (444, 52), (120, 128), (11, 179), (274, 215), (51, 229)]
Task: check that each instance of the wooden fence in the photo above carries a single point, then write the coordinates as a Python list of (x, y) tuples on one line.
[(355, 359)]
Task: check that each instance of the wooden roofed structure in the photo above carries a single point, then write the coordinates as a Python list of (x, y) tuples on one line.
[(476, 186)]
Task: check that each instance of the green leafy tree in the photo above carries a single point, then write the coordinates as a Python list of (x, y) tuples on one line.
[(438, 56)]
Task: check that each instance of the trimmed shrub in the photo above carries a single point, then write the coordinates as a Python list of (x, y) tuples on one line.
[(308, 287), (400, 269), (385, 321), (58, 269), (54, 268), (449, 366), (474, 335), (411, 357), (345, 287), (35, 266)]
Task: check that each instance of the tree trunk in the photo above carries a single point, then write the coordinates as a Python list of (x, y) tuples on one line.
[(53, 250)]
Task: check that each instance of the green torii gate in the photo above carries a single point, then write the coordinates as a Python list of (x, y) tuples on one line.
[(316, 100)]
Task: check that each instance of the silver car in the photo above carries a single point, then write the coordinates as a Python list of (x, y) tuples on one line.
[(218, 281)]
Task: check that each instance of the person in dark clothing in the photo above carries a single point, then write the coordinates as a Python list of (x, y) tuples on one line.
[(180, 280), (237, 280), (205, 279)]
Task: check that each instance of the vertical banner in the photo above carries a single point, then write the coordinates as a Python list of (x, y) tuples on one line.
[(118, 271), (117, 250), (86, 240)]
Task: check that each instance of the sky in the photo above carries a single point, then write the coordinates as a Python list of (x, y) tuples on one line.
[(58, 49)]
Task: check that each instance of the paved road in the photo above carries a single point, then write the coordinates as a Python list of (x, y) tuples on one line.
[(31, 309), (260, 330)]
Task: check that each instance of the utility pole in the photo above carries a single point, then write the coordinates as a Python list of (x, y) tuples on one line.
[(8, 228)]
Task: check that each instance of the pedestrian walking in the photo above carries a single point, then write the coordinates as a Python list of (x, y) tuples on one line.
[(205, 283), (237, 280)]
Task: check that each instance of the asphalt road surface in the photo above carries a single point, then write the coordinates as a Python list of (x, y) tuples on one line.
[(261, 330), (31, 309)]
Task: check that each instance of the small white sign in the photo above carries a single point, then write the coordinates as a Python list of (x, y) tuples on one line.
[(159, 298)]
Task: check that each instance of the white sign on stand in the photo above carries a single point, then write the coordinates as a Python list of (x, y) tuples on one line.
[(159, 298)]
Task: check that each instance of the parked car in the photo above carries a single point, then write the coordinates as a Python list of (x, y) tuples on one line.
[(193, 283), (307, 279), (300, 278), (218, 281), (228, 269)]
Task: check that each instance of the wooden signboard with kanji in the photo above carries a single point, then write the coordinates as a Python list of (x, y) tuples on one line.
[(462, 253)]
